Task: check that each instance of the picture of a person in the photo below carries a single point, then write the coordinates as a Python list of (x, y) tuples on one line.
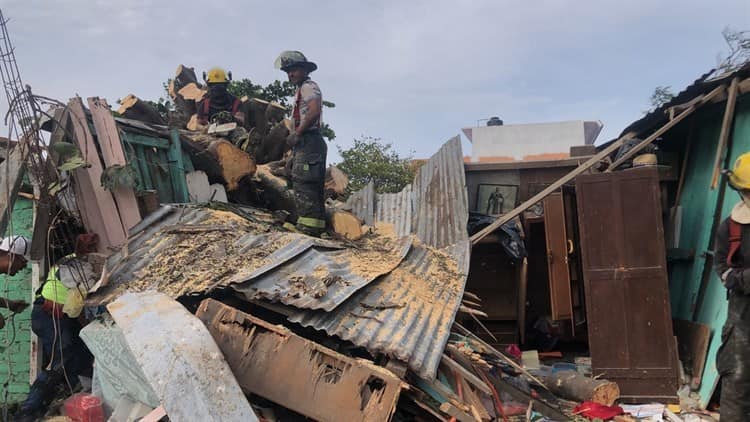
[(495, 202)]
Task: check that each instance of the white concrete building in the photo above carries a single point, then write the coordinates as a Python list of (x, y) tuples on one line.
[(528, 142)]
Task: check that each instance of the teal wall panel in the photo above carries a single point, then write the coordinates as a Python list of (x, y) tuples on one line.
[(699, 203)]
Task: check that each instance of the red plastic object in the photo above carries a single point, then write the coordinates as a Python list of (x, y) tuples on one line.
[(84, 407)]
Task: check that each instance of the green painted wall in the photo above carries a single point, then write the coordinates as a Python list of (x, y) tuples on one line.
[(699, 202), (15, 338)]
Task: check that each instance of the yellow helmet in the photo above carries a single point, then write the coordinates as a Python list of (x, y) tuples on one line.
[(739, 176), (217, 75)]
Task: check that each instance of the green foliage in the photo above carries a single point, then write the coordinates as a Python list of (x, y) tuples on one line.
[(370, 159), (120, 176)]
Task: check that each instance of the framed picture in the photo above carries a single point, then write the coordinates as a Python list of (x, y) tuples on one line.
[(496, 199)]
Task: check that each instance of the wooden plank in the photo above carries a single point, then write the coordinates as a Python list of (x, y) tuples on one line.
[(108, 138), (457, 413), (718, 90), (96, 204), (11, 176), (726, 129), (471, 378), (556, 238), (692, 346), (523, 283)]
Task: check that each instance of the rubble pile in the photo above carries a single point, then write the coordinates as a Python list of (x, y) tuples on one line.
[(209, 308)]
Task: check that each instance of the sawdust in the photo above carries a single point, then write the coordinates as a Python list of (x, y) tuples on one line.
[(191, 263)]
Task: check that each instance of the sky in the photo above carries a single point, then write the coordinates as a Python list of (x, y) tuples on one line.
[(410, 72)]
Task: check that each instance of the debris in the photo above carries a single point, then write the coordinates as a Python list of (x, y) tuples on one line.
[(180, 359), (319, 383), (599, 411)]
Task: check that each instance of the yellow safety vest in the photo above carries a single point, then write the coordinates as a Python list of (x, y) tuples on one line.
[(53, 288)]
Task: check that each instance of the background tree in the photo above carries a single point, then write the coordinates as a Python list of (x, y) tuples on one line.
[(370, 159), (660, 96)]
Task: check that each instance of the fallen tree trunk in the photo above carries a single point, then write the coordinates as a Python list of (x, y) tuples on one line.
[(222, 161), (574, 386), (271, 147), (131, 107), (275, 191)]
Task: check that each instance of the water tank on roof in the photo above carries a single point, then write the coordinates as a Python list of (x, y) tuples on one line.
[(494, 121)]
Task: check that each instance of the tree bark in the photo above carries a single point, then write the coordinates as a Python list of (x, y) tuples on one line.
[(220, 159), (275, 191), (336, 182), (574, 386), (131, 107)]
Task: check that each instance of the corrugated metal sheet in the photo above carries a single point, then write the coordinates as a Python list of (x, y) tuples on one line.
[(163, 254), (408, 313), (362, 203), (322, 278)]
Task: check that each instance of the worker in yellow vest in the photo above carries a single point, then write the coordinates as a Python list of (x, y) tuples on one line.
[(64, 353)]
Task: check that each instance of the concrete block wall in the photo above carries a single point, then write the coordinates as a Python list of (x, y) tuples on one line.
[(15, 338)]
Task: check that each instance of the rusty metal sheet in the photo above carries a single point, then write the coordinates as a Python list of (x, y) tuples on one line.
[(625, 275), (274, 363), (323, 278), (180, 359)]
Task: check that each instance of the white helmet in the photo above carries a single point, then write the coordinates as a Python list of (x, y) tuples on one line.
[(17, 245)]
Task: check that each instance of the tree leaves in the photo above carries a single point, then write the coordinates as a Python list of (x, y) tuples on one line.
[(370, 159)]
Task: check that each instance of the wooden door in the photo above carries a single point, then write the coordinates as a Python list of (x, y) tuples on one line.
[(625, 279), (557, 257)]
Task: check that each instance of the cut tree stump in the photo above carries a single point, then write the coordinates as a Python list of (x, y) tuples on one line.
[(346, 224), (222, 161), (575, 386), (131, 107)]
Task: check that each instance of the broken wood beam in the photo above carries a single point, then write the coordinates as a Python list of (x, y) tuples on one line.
[(581, 169), (470, 377), (726, 129), (496, 353)]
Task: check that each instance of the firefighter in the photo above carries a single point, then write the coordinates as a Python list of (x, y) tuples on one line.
[(219, 99), (732, 263), (309, 150), (14, 254)]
